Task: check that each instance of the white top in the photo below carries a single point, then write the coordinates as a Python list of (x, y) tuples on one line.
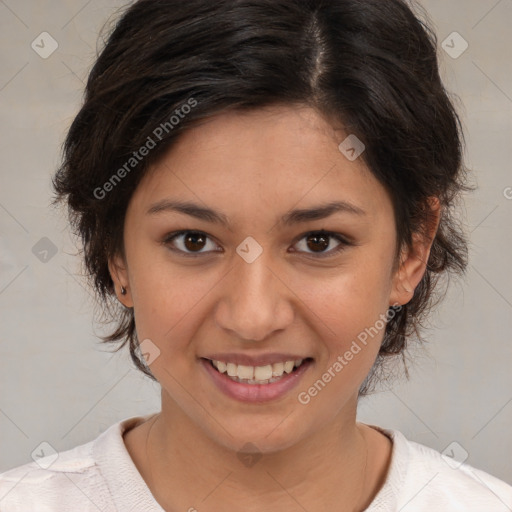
[(100, 475)]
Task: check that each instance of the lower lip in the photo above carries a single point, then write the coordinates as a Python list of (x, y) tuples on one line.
[(255, 393)]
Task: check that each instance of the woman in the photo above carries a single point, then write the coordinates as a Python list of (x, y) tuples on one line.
[(266, 188)]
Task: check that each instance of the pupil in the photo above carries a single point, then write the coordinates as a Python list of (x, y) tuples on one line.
[(324, 241), (193, 238)]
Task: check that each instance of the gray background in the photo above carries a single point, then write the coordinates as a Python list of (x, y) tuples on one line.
[(60, 385)]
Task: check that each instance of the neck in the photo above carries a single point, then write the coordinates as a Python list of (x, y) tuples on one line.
[(185, 466)]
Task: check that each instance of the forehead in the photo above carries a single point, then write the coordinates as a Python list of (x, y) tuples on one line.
[(262, 161)]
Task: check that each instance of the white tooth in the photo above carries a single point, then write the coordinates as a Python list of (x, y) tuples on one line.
[(263, 372), (221, 366), (298, 362), (232, 372), (245, 372), (288, 366), (277, 369)]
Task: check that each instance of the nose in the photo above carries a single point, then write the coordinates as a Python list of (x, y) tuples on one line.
[(255, 302)]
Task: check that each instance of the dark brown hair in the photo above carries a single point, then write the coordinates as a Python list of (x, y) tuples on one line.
[(370, 66)]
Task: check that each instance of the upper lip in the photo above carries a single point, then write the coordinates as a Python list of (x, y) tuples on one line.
[(260, 360)]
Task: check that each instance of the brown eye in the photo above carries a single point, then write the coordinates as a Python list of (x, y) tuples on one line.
[(319, 241), (191, 243), (194, 241)]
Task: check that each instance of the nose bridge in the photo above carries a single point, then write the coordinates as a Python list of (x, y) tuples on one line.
[(254, 279), (255, 302)]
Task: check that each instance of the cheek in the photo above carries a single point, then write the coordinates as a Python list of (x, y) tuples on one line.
[(169, 305), (350, 309), (349, 299), (351, 320)]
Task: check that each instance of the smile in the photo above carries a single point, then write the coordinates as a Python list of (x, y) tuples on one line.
[(256, 374), (257, 384)]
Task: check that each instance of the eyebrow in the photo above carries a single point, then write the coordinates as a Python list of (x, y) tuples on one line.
[(293, 217)]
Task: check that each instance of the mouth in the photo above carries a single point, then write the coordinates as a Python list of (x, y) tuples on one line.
[(258, 375), (256, 384)]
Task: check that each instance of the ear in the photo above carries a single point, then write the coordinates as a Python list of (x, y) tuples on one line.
[(413, 262), (119, 274)]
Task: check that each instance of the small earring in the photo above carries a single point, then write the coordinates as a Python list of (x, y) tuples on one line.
[(123, 290)]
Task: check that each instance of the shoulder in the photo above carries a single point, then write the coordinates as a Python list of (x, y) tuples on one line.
[(422, 479), (63, 479), (98, 475)]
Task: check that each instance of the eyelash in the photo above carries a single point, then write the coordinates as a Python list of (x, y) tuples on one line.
[(344, 243)]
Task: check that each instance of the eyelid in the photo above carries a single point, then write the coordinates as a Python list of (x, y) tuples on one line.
[(171, 236), (344, 240)]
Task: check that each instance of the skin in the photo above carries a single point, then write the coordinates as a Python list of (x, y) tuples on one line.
[(254, 168)]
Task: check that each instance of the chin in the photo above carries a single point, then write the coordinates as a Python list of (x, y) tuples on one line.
[(268, 436)]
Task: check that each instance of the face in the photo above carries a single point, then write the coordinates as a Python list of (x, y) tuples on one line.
[(258, 279)]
